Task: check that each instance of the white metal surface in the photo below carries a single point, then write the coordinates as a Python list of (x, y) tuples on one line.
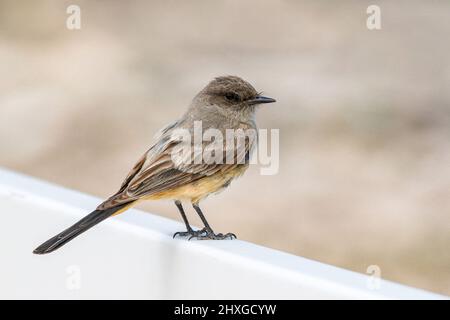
[(133, 256)]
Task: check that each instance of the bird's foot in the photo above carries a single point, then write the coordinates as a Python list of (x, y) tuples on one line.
[(210, 235), (191, 233)]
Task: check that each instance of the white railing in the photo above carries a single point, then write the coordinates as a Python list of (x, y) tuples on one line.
[(134, 256)]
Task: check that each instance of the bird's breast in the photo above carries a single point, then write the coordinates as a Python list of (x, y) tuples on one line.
[(201, 188)]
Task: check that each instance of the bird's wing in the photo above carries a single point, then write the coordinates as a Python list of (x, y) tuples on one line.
[(157, 171)]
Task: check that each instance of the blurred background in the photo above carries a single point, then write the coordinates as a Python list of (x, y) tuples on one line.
[(364, 116)]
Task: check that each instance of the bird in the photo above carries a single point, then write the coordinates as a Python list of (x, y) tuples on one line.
[(225, 103)]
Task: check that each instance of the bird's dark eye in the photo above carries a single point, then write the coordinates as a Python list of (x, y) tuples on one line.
[(231, 96)]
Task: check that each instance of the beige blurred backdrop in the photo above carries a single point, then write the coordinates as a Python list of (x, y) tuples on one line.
[(364, 116)]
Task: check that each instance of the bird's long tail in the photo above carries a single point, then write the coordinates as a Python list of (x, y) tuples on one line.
[(78, 228)]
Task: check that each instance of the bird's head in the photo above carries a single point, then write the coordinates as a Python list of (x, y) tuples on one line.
[(232, 92)]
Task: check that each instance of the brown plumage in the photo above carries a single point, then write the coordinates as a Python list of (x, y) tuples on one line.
[(225, 103)]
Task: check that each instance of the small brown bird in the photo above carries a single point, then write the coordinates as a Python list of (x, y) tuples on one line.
[(225, 103)]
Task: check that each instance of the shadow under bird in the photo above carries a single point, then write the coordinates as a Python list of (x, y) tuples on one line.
[(225, 103)]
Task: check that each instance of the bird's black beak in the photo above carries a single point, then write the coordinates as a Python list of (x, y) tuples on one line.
[(260, 100)]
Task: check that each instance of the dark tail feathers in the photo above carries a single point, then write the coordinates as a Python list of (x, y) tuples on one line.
[(78, 228)]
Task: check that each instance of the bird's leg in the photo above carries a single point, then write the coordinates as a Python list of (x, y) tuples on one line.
[(189, 231), (209, 233)]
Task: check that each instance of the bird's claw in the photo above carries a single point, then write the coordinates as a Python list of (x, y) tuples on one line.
[(209, 235), (191, 233)]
